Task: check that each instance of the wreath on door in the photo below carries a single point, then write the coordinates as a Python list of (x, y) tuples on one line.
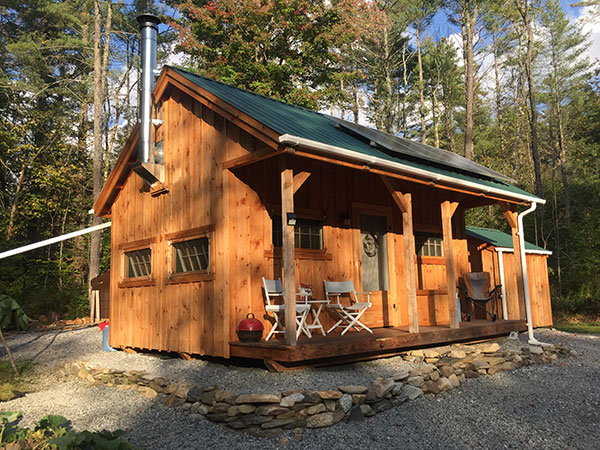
[(370, 245)]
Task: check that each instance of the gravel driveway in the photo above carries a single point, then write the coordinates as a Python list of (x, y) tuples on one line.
[(552, 406)]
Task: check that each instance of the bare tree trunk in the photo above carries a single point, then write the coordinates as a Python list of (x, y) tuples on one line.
[(61, 249), (469, 21), (499, 120), (562, 147), (557, 231), (342, 111), (404, 125), (10, 229), (100, 67), (9, 353), (421, 83), (355, 108), (435, 117), (389, 87), (524, 11), (448, 132)]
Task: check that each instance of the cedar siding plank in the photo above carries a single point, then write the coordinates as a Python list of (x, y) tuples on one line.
[(199, 316)]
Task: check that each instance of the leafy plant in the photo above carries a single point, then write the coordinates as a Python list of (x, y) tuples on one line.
[(11, 314), (52, 431)]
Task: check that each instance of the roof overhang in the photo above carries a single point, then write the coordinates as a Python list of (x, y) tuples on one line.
[(373, 161), (117, 178)]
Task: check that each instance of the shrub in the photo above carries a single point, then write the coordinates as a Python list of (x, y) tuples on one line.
[(53, 432)]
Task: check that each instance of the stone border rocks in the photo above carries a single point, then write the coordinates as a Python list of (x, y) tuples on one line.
[(267, 414)]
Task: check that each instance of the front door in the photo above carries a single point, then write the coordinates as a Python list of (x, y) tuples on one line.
[(373, 243)]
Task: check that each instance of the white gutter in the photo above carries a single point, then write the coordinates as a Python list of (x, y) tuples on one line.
[(53, 240), (529, 252), (291, 140), (532, 340)]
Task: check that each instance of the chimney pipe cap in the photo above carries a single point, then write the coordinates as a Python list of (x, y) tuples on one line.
[(148, 20)]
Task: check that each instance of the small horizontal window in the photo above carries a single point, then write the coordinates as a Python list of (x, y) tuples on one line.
[(429, 245), (139, 263), (192, 255), (308, 234)]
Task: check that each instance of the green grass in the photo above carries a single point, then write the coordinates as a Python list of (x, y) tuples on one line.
[(10, 382), (579, 327), (577, 323)]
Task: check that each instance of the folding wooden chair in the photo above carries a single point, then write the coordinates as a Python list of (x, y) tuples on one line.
[(349, 315), (478, 292), (273, 290)]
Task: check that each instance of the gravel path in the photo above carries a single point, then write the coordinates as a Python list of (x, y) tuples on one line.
[(548, 406)]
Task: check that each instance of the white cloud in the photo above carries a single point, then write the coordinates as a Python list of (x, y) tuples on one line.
[(591, 24)]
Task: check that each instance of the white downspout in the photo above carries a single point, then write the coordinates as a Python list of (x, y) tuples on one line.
[(502, 288), (532, 340)]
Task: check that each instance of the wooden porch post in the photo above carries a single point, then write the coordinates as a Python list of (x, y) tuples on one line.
[(448, 210), (515, 306), (287, 257), (404, 202)]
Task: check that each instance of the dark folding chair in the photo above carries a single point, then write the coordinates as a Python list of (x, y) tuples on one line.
[(477, 291)]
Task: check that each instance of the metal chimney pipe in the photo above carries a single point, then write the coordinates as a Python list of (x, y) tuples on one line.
[(149, 31)]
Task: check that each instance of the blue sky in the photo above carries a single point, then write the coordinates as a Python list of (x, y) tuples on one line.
[(441, 26)]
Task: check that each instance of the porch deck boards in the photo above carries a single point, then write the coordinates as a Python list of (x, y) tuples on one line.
[(363, 345)]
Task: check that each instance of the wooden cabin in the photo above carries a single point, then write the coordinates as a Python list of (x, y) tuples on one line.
[(189, 253)]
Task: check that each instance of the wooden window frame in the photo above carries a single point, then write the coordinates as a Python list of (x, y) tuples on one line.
[(430, 259), (142, 244), (188, 235), (305, 251)]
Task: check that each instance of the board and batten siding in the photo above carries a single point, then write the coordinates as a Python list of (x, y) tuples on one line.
[(200, 317), (189, 317), (486, 260)]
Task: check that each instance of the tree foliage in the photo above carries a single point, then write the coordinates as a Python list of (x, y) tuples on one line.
[(280, 49), (517, 91)]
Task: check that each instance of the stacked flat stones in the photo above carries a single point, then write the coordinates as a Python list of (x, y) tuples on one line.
[(269, 415)]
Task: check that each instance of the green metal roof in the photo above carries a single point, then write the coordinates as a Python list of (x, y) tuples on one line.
[(498, 238), (284, 118)]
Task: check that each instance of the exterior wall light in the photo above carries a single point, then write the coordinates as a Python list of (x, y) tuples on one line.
[(291, 219)]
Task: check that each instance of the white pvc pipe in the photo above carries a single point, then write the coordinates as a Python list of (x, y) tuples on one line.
[(502, 288), (53, 240), (532, 340), (373, 160)]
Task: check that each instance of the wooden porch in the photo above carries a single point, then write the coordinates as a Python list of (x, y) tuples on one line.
[(355, 346)]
